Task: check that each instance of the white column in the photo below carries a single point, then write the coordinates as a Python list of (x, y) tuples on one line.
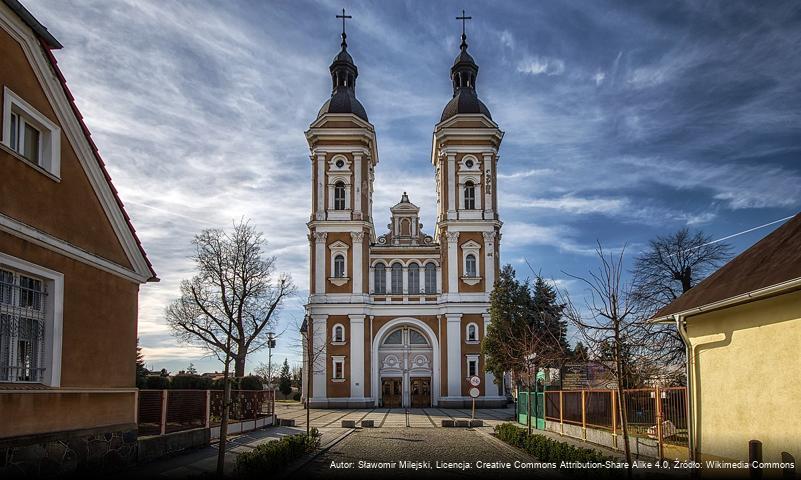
[(319, 355), (453, 262), (451, 186), (356, 356), (405, 280), (438, 286), (357, 186), (454, 337), (489, 260), (488, 186), (319, 262), (320, 214), (490, 389), (388, 284), (371, 280), (358, 269)]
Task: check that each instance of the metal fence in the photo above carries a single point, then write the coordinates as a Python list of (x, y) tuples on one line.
[(166, 411), (656, 413)]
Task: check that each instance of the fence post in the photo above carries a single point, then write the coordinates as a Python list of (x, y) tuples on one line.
[(614, 419), (584, 415), (659, 440), (207, 422), (544, 406), (164, 412), (561, 413), (136, 406)]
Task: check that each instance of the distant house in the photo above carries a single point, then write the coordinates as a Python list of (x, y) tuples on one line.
[(70, 270), (743, 325)]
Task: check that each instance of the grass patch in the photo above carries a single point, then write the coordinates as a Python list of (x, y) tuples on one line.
[(271, 457)]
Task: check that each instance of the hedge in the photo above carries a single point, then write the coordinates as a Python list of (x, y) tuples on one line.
[(546, 450), (273, 456)]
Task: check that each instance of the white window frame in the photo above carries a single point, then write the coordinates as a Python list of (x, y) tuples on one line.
[(465, 197), (425, 278), (411, 290), (333, 179), (337, 359), (383, 277), (49, 155), (339, 248), (472, 359), (477, 338), (54, 308), (471, 248), (392, 290), (334, 340)]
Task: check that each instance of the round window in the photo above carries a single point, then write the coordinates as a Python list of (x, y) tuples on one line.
[(340, 164), (469, 164)]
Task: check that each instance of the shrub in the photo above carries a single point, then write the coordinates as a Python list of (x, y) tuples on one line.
[(547, 450), (251, 382), (296, 396), (273, 456), (194, 382), (156, 382)]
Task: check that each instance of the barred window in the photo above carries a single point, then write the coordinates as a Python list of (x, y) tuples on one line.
[(339, 196), (397, 278), (22, 323), (414, 279), (380, 278), (431, 278)]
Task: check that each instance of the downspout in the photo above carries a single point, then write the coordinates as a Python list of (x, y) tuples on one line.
[(690, 360)]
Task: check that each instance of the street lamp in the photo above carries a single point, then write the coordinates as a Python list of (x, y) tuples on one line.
[(270, 346)]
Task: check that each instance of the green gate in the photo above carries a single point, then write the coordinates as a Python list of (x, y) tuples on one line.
[(537, 408)]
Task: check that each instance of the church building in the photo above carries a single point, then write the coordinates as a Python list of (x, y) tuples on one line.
[(396, 318)]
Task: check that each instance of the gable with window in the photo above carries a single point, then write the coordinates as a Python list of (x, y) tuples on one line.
[(31, 134), (471, 267)]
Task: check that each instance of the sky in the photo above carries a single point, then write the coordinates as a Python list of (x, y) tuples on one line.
[(622, 120)]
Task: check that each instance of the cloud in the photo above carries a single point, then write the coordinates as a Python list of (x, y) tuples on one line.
[(541, 65)]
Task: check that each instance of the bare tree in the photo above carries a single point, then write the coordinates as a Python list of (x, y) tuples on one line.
[(671, 266), (234, 295), (611, 326)]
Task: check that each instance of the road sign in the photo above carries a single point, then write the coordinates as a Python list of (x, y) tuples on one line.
[(475, 381), (474, 392)]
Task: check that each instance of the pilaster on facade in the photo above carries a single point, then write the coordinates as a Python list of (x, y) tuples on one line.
[(356, 356), (452, 186), (490, 388), (319, 214), (318, 355), (454, 339), (319, 262), (357, 186), (358, 268), (489, 260), (489, 179), (453, 262)]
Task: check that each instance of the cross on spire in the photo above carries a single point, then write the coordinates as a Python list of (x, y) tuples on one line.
[(464, 19), (344, 35)]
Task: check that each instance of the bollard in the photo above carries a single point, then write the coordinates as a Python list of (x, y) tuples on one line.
[(754, 455), (348, 423), (368, 423)]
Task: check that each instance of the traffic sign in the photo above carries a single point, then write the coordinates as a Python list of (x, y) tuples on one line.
[(475, 381), (474, 392)]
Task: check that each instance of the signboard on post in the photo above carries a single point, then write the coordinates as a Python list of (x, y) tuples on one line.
[(474, 393), (475, 381)]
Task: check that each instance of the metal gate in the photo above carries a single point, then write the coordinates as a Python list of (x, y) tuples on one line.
[(536, 407)]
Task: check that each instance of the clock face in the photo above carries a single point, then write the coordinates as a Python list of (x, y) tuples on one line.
[(340, 164)]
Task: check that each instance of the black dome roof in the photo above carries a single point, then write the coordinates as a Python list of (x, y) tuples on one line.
[(344, 101), (465, 101)]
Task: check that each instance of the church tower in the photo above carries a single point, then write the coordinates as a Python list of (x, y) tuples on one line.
[(465, 155)]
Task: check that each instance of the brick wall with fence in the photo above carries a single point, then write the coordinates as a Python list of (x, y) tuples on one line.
[(656, 418), (160, 412)]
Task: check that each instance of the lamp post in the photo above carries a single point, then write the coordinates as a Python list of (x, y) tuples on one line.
[(270, 346)]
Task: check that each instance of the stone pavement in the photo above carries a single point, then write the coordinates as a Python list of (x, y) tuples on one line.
[(395, 417)]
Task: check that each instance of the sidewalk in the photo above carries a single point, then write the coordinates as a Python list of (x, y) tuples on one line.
[(204, 460)]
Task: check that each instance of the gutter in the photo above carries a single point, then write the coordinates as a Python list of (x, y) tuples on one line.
[(681, 327), (742, 298)]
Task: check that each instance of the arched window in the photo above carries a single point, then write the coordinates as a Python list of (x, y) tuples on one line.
[(470, 265), (339, 196), (469, 195), (417, 338), (431, 278), (339, 266), (394, 338), (380, 278), (414, 279), (397, 278), (472, 332), (339, 334)]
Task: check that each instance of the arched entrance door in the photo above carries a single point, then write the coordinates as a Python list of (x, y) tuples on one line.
[(405, 357)]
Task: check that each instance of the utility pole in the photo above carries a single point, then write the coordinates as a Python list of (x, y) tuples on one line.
[(270, 346)]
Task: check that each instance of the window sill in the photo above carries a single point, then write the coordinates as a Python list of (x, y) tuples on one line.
[(339, 281), (471, 280), (35, 166), (338, 343), (338, 380), (472, 342)]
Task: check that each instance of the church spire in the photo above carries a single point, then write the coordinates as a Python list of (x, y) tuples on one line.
[(343, 80), (463, 78)]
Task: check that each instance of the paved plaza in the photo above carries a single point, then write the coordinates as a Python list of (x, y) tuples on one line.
[(394, 417)]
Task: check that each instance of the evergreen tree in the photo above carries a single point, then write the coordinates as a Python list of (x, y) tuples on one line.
[(141, 371), (545, 301), (580, 352), (285, 379), (191, 370)]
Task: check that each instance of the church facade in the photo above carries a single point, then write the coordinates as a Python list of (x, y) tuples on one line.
[(396, 318)]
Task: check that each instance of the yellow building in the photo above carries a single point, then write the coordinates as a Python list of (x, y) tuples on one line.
[(743, 330)]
